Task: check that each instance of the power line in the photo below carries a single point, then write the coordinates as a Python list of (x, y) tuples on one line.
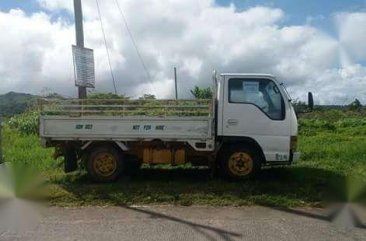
[(106, 47), (133, 41)]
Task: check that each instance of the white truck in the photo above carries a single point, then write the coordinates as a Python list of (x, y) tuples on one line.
[(249, 123)]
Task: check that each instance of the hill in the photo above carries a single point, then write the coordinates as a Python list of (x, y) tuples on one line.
[(14, 103)]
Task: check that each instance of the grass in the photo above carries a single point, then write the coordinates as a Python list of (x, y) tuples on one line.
[(26, 149), (333, 155), (189, 186)]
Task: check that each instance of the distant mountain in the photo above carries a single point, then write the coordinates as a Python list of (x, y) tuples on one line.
[(14, 103)]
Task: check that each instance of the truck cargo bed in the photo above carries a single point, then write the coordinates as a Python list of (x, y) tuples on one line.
[(189, 121)]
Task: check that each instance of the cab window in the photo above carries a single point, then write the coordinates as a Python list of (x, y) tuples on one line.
[(263, 93)]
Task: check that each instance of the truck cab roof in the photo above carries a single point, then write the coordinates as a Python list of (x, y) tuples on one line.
[(256, 75)]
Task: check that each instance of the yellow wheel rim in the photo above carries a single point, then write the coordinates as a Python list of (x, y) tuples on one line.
[(105, 164), (240, 164)]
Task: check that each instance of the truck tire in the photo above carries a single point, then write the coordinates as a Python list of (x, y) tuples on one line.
[(239, 163), (105, 164)]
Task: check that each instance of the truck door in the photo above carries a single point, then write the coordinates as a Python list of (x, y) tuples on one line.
[(254, 107)]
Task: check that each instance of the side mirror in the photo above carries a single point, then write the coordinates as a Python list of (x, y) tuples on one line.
[(310, 101)]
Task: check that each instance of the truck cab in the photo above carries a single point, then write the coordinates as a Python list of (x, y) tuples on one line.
[(256, 124), (254, 107)]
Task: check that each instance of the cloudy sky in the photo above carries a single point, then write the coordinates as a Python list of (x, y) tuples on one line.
[(310, 45)]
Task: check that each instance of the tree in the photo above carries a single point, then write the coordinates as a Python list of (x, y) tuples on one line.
[(54, 95), (299, 106), (355, 105), (202, 93), (147, 97)]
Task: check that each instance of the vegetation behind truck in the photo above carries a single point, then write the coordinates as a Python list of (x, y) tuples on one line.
[(249, 123)]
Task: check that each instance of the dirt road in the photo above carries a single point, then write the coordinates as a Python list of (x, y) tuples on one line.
[(184, 223)]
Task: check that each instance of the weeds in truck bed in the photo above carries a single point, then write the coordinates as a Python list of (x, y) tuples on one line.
[(333, 150)]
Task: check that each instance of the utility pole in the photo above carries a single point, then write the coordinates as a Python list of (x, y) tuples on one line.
[(79, 37), (176, 84), (1, 140)]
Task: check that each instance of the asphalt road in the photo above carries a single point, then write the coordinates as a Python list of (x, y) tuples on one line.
[(184, 223)]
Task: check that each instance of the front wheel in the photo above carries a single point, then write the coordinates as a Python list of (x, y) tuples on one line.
[(239, 163), (105, 164)]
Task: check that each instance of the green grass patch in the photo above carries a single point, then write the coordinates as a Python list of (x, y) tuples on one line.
[(27, 149), (333, 154), (189, 186)]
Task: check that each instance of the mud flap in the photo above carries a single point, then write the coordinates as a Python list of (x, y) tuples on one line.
[(70, 159)]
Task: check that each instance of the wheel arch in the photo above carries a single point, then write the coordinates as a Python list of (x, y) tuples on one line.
[(229, 141), (90, 145)]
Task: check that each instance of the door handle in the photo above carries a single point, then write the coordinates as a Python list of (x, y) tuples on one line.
[(232, 122)]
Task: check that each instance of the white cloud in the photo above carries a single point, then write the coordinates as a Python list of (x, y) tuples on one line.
[(33, 53), (336, 85), (55, 5), (195, 36), (352, 33)]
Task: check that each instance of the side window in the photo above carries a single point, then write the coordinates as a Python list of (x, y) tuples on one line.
[(262, 93)]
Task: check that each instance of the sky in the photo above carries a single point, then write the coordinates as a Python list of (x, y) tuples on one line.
[(310, 45)]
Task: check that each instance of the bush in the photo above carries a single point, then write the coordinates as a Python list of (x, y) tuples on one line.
[(202, 93), (351, 122), (355, 105), (26, 123), (317, 124)]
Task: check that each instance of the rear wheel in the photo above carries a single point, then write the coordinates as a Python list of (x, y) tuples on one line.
[(239, 163), (105, 164)]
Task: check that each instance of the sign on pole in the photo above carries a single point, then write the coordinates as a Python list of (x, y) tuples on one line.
[(83, 66)]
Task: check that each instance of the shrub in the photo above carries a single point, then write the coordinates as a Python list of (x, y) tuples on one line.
[(26, 123), (351, 122), (202, 93)]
